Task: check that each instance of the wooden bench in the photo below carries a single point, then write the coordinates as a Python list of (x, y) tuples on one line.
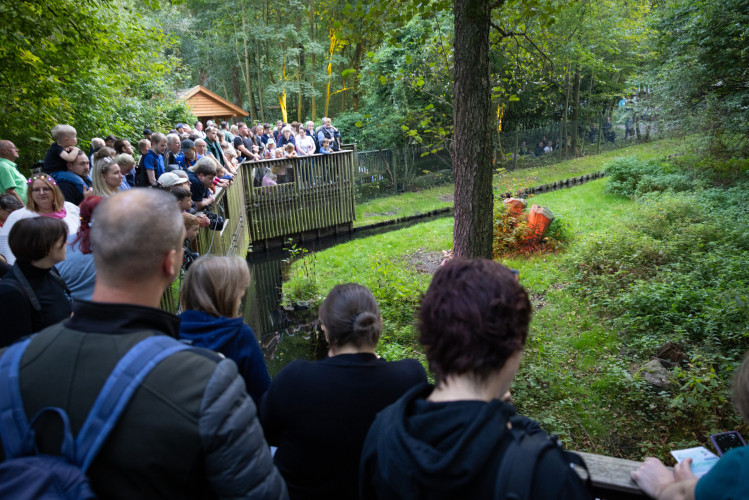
[(610, 477)]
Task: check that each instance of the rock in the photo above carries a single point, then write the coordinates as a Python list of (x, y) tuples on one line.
[(655, 374)]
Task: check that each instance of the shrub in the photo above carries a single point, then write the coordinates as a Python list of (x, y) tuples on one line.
[(511, 234), (632, 177)]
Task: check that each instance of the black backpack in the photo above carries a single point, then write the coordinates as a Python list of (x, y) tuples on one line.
[(141, 176), (518, 468), (29, 475), (22, 285)]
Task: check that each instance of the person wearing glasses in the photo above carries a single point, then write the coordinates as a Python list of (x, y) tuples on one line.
[(44, 200)]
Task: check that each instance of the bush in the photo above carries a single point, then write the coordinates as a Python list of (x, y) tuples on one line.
[(511, 234), (632, 177)]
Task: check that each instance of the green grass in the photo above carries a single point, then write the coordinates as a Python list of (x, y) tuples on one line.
[(427, 200), (403, 205), (578, 372)]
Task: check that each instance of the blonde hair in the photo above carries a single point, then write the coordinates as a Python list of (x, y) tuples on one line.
[(124, 160), (101, 168), (214, 285), (59, 200), (104, 152), (61, 131), (190, 220)]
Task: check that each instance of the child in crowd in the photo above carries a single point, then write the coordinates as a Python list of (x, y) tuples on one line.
[(63, 151), (290, 150), (192, 225), (270, 150), (184, 199), (269, 179), (325, 146), (126, 163), (279, 153), (104, 152)]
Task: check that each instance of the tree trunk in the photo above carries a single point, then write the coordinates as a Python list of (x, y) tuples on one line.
[(259, 82), (248, 77), (472, 234), (356, 64), (236, 89), (576, 113), (565, 133), (312, 57)]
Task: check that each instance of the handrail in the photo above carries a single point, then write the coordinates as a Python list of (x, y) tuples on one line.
[(610, 477), (232, 239)]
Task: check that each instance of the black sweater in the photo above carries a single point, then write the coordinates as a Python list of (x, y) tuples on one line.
[(19, 319), (318, 414)]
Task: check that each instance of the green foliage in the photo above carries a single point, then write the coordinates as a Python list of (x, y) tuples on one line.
[(95, 65), (677, 272), (631, 177), (702, 66)]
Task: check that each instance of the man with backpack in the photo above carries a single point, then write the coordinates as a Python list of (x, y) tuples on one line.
[(187, 428)]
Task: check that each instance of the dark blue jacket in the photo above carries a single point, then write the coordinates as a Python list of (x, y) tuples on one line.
[(232, 338)]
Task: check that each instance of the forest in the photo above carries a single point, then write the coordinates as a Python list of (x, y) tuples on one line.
[(382, 70)]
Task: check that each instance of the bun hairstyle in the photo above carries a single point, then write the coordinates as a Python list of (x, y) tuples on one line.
[(350, 315)]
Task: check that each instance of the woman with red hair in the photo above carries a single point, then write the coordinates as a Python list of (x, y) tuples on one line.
[(78, 268)]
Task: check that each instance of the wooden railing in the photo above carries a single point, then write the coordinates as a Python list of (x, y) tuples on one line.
[(232, 239), (313, 193), (610, 477)]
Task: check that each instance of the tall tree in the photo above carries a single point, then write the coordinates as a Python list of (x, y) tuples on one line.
[(472, 234)]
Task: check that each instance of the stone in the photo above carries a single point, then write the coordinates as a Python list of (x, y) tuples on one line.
[(655, 374)]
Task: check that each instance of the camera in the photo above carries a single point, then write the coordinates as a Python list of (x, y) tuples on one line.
[(215, 221)]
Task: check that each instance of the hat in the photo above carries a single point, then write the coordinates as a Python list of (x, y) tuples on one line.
[(187, 145), (170, 179), (180, 125), (147, 131)]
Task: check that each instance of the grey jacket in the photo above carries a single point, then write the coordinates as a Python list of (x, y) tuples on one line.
[(189, 431)]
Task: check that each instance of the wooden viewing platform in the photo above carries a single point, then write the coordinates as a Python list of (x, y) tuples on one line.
[(317, 199)]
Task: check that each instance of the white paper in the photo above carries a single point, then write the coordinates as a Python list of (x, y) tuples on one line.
[(702, 459)]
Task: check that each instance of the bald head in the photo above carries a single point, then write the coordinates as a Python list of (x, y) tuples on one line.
[(131, 234), (8, 150)]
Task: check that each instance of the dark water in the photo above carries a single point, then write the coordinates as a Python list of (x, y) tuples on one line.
[(282, 338)]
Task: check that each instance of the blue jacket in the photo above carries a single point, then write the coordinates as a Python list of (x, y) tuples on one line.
[(232, 338)]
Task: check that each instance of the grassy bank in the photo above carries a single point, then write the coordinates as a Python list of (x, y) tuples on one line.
[(427, 200)]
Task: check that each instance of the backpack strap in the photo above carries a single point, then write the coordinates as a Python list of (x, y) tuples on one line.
[(25, 286), (13, 423), (113, 398), (516, 472), (515, 478)]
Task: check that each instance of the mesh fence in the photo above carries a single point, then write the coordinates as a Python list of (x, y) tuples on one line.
[(384, 172)]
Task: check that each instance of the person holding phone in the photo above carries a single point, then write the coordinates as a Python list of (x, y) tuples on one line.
[(728, 479)]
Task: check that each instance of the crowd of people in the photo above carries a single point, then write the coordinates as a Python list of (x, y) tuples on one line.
[(81, 294)]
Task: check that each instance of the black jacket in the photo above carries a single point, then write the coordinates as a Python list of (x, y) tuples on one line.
[(18, 315), (318, 414), (417, 449), (190, 430)]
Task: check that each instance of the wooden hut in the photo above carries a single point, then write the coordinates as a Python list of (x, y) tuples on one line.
[(208, 105)]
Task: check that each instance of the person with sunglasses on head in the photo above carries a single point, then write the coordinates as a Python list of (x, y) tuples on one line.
[(46, 200)]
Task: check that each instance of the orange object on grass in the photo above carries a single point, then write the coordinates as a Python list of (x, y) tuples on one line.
[(539, 220), (515, 206)]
